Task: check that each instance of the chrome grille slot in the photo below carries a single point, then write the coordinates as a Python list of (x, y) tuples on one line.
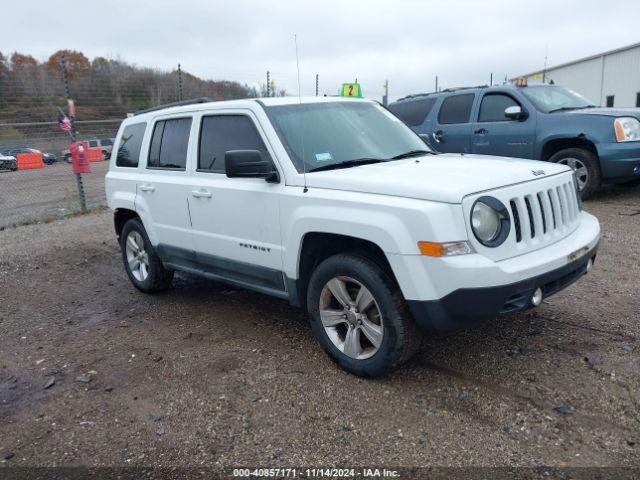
[(542, 210), (553, 209), (532, 225), (516, 220)]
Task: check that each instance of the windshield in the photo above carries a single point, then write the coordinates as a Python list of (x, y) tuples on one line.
[(547, 99), (327, 134)]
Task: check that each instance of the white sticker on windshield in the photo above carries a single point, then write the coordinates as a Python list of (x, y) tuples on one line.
[(323, 157)]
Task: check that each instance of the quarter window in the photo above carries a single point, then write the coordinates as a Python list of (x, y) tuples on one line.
[(413, 112), (493, 107), (130, 145), (169, 144), (221, 133), (456, 109)]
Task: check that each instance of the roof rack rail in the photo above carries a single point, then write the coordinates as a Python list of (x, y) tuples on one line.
[(446, 90), (182, 103)]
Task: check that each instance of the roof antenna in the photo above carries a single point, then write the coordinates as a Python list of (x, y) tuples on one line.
[(304, 164)]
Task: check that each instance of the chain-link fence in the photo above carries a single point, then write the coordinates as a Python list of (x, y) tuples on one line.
[(32, 95)]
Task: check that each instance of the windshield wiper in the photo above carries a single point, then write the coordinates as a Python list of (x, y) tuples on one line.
[(413, 153), (564, 109), (348, 163)]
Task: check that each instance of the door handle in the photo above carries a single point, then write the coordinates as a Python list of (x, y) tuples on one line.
[(201, 193), (437, 136), (481, 131), (147, 188)]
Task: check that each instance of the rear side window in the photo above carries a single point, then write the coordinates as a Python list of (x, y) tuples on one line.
[(456, 109), (169, 144), (130, 145), (221, 133), (493, 106), (413, 112), (106, 142)]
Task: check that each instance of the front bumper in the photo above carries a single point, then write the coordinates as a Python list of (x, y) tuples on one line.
[(619, 162), (467, 306)]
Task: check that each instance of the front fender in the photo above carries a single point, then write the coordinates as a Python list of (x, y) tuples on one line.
[(394, 224)]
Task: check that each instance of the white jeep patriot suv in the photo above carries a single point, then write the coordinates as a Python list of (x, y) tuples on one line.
[(337, 206)]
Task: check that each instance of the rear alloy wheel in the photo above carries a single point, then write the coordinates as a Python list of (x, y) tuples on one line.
[(142, 264), (359, 316), (585, 164)]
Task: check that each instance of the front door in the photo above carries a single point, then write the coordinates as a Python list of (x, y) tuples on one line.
[(495, 134), (235, 221)]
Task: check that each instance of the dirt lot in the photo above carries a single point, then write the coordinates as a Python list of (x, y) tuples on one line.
[(28, 195), (208, 375)]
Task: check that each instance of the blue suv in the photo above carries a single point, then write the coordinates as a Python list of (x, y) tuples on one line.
[(543, 122)]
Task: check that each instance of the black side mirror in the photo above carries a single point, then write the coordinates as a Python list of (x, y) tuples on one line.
[(515, 112), (249, 164)]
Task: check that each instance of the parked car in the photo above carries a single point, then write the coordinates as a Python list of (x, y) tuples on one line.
[(8, 162), (106, 144), (543, 122), (47, 158), (337, 206)]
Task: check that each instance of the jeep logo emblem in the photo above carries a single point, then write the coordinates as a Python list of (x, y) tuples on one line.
[(537, 173)]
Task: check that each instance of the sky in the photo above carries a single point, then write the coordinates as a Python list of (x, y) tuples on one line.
[(407, 43)]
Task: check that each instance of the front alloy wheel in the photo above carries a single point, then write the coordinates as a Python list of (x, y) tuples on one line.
[(351, 317), (359, 316)]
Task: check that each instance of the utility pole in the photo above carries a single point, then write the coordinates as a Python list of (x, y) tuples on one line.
[(268, 84), (544, 70), (179, 83), (385, 97), (491, 80), (72, 132), (436, 83), (316, 84)]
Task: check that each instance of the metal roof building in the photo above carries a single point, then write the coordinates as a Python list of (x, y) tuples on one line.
[(609, 79)]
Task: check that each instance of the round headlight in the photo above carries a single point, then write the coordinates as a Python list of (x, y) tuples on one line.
[(490, 221)]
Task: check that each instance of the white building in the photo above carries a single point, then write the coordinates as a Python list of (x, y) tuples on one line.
[(609, 79)]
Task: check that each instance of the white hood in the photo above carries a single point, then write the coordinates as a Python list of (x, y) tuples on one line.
[(443, 178)]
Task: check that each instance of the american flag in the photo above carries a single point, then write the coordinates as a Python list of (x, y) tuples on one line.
[(65, 123)]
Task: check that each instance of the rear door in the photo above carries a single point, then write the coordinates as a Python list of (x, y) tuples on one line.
[(236, 221), (163, 186), (452, 126), (495, 134)]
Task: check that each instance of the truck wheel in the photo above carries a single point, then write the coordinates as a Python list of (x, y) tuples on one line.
[(585, 164), (359, 317), (143, 266)]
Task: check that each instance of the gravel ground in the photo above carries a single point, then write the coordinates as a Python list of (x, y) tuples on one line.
[(210, 375), (51, 192)]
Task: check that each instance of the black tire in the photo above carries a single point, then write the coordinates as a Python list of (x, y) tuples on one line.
[(401, 338), (589, 160), (67, 158), (105, 155), (159, 278)]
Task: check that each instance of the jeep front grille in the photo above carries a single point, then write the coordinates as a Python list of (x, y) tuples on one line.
[(544, 212)]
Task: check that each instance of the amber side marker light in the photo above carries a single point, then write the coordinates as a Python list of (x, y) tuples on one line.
[(447, 249)]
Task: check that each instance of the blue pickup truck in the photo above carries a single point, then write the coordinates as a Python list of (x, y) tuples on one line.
[(543, 122)]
